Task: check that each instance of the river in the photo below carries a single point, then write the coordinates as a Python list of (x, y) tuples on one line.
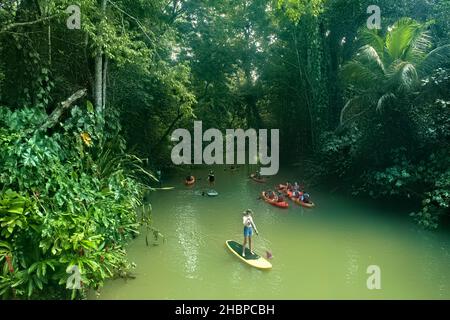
[(320, 253)]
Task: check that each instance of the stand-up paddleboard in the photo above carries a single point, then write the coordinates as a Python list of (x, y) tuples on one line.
[(252, 259), (212, 193), (260, 180)]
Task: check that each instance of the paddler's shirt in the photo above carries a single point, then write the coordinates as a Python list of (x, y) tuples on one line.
[(247, 221)]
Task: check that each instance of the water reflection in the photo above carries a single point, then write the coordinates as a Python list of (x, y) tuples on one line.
[(187, 233), (352, 266)]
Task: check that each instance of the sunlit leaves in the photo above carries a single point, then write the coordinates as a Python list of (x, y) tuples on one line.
[(13, 213), (295, 9)]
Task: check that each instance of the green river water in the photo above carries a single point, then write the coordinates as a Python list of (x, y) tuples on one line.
[(320, 253)]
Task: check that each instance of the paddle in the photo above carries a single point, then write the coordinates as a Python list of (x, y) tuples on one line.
[(162, 188)]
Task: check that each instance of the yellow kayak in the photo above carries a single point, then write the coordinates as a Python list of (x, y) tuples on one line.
[(252, 259)]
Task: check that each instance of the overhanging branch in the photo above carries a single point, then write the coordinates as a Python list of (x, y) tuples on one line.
[(63, 106), (28, 23)]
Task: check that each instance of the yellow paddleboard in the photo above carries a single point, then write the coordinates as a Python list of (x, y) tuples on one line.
[(252, 259)]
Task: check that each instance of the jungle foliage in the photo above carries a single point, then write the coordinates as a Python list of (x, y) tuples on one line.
[(79, 109)]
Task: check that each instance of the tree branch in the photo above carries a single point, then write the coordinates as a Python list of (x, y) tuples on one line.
[(22, 24), (133, 18), (58, 112)]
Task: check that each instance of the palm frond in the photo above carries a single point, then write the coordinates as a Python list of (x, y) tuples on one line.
[(402, 76), (400, 37), (385, 98), (352, 107), (408, 77), (361, 75), (372, 38), (435, 59), (368, 55), (419, 45)]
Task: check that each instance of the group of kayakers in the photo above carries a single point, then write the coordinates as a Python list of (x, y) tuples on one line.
[(296, 191), (278, 195)]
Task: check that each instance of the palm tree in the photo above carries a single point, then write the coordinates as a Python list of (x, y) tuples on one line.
[(388, 70)]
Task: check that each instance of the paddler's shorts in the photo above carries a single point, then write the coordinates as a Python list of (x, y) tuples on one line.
[(248, 232)]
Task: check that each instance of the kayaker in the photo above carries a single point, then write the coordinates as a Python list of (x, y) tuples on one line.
[(305, 198), (189, 178), (211, 178), (249, 225), (280, 197), (296, 186)]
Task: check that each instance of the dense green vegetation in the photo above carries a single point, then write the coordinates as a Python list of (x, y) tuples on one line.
[(364, 110)]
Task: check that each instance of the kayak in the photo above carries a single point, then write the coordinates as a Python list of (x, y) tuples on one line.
[(190, 183), (299, 202), (253, 260), (275, 203), (288, 193), (260, 180)]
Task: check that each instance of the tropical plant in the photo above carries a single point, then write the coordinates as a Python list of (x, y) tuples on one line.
[(386, 71), (66, 199)]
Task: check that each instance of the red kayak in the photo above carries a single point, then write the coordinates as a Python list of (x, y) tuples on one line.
[(298, 201), (282, 204), (260, 180), (190, 182)]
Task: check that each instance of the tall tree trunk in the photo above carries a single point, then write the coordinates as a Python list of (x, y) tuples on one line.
[(98, 82), (105, 73), (88, 69), (49, 44), (99, 69)]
